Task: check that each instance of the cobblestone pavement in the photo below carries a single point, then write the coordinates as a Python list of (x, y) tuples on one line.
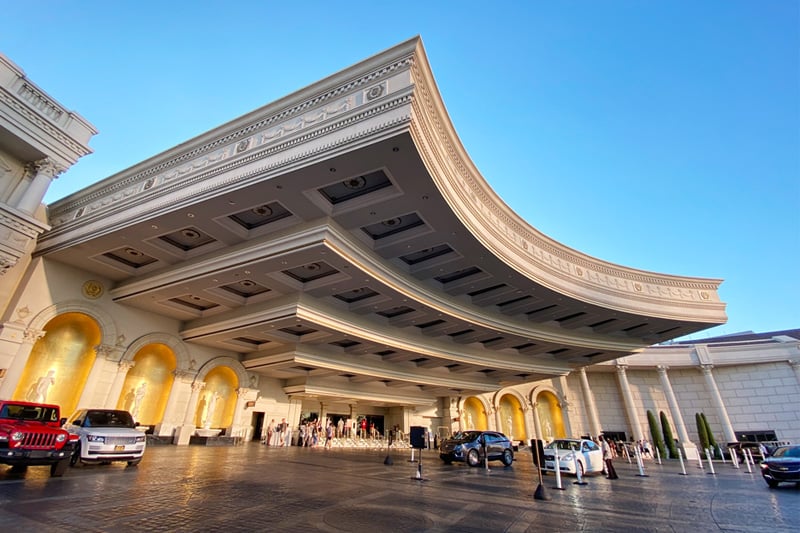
[(255, 488)]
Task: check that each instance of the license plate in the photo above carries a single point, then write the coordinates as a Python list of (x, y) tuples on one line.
[(119, 448), (548, 464)]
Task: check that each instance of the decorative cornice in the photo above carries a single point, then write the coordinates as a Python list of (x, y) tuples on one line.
[(541, 259)]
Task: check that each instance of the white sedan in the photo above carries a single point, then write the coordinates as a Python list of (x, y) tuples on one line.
[(586, 453)]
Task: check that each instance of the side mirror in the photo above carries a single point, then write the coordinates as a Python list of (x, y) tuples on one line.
[(63, 420)]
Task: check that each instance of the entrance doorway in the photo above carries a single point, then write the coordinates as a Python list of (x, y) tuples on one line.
[(258, 425)]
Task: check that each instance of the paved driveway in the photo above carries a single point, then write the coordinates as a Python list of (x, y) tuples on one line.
[(255, 488)]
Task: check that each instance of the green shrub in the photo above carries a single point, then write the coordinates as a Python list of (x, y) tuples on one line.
[(669, 440), (702, 432), (655, 432)]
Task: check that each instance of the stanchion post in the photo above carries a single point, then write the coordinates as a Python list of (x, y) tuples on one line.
[(700, 461), (721, 453), (485, 455), (710, 456), (625, 450), (747, 460), (640, 463), (734, 458), (578, 474), (557, 469), (683, 467), (658, 455)]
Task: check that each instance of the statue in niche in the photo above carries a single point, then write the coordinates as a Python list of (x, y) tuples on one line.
[(138, 398), (212, 406), (38, 391), (469, 421), (510, 427)]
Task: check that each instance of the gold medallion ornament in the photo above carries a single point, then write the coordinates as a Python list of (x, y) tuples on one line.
[(92, 289)]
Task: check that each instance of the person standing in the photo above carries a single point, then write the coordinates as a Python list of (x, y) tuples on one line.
[(270, 431), (611, 473)]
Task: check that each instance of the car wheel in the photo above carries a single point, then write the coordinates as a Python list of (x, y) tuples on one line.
[(446, 460), (508, 457), (58, 469), (75, 458), (473, 458), (772, 483)]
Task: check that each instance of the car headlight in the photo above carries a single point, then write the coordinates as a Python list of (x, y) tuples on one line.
[(95, 438), (61, 437), (17, 436), (458, 448), (141, 439)]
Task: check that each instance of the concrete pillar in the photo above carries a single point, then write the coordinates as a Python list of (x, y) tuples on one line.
[(102, 353), (630, 406), (690, 450), (45, 170), (566, 414), (591, 405), (14, 371), (185, 431), (112, 398), (719, 405)]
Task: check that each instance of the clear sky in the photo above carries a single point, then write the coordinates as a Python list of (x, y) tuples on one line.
[(662, 135)]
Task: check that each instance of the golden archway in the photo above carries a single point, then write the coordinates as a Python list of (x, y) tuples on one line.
[(148, 383), (216, 406), (60, 362), (474, 416), (551, 421), (512, 419)]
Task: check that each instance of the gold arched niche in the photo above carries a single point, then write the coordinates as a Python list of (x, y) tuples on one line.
[(550, 418), (474, 415), (512, 419), (216, 405), (60, 362), (148, 383)]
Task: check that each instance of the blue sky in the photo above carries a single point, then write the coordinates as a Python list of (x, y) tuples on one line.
[(660, 135)]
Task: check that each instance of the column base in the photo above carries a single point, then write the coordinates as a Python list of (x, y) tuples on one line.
[(690, 452), (183, 434)]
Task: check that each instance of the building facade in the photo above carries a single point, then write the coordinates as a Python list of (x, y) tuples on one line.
[(333, 254)]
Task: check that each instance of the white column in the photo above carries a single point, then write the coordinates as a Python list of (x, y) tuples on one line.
[(186, 429), (241, 399), (690, 450), (630, 406), (537, 424), (168, 422), (45, 170), (112, 398), (530, 422), (102, 352), (591, 406), (716, 399), (498, 423), (565, 407), (17, 366)]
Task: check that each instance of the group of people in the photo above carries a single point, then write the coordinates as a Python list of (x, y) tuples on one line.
[(277, 434)]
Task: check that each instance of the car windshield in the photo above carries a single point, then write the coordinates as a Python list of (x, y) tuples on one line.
[(467, 435), (564, 444), (29, 412), (787, 452), (108, 419)]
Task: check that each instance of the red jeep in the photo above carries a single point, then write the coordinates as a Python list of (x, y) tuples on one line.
[(31, 434)]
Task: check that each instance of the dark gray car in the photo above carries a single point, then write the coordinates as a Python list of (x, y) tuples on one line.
[(472, 446)]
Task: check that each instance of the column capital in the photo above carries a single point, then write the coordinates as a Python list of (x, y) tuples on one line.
[(621, 368), (706, 368), (794, 363), (662, 369), (125, 365), (46, 166), (32, 335), (198, 386)]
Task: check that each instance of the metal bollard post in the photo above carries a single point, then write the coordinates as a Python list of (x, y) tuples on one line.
[(658, 455), (747, 461), (700, 461), (710, 462), (627, 455), (557, 468), (734, 458), (683, 468), (721, 453)]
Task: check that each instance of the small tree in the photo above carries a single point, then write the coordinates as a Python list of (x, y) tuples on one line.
[(712, 443), (702, 433), (668, 438), (655, 432)]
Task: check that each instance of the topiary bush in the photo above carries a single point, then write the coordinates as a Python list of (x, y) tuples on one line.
[(669, 440), (655, 432)]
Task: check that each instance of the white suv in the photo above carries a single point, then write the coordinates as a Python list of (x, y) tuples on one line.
[(106, 435)]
